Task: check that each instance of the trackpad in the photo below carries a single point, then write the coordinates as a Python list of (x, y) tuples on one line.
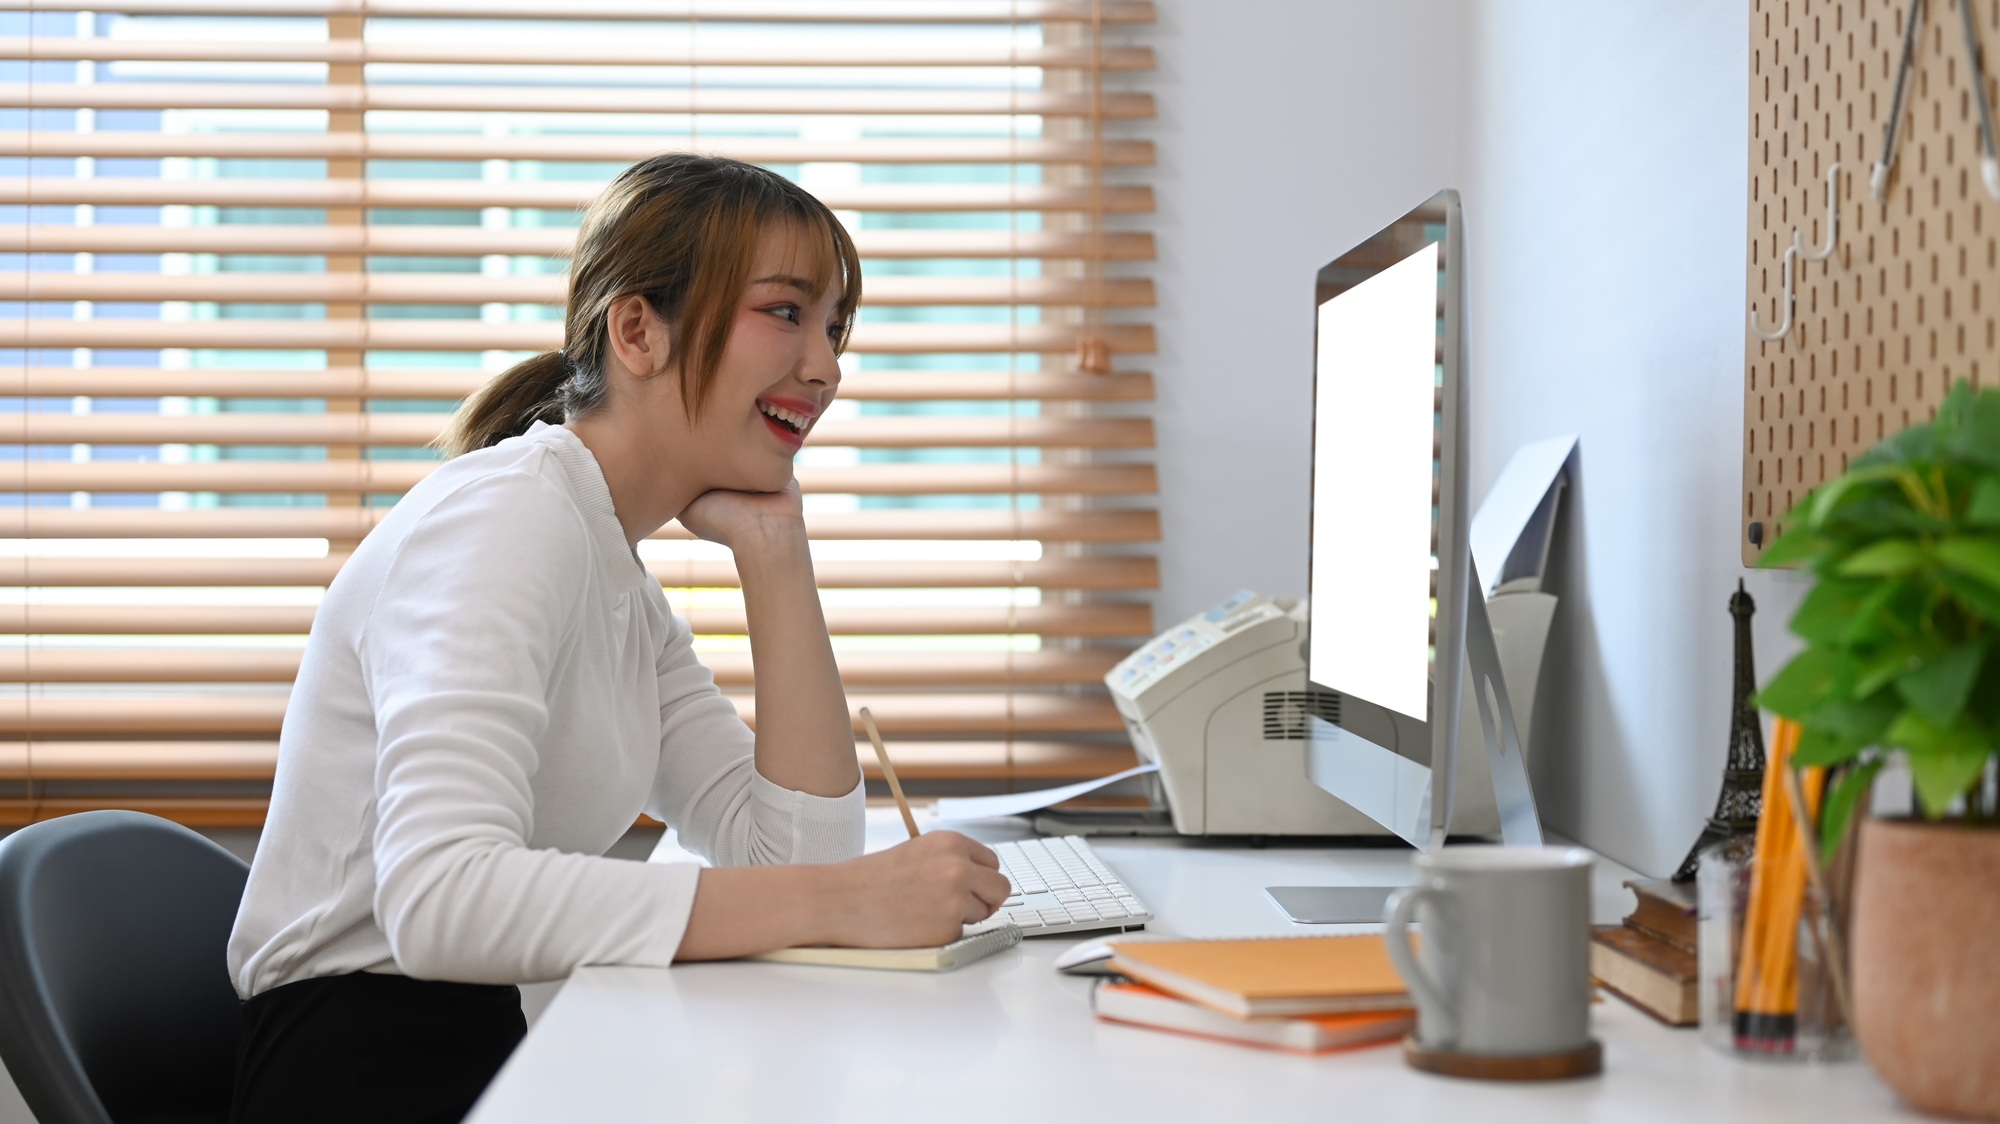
[(1332, 905)]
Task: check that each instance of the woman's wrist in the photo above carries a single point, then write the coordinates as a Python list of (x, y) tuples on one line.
[(817, 892), (773, 549), (741, 911), (830, 892)]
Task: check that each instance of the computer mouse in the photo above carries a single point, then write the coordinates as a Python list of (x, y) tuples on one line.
[(1086, 958)]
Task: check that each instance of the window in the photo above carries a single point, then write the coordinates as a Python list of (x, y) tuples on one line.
[(256, 250)]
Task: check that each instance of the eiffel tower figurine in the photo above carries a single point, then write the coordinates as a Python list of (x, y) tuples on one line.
[(1743, 777)]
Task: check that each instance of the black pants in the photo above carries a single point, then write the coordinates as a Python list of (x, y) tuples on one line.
[(376, 1048)]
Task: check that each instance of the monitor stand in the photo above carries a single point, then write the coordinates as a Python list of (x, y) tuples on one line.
[(1332, 905), (1399, 794)]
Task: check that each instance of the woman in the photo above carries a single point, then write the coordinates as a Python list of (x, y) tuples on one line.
[(495, 688)]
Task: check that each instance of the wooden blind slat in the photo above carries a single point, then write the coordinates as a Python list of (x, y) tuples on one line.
[(1110, 12), (1010, 760), (555, 149), (544, 335), (732, 669), (883, 386), (1101, 619), (390, 477), (1107, 572), (201, 812), (151, 760), (378, 97), (460, 241), (1093, 619), (420, 429), (605, 148), (248, 760), (221, 715), (206, 715), (606, 52), (356, 522), (559, 195), (551, 289)]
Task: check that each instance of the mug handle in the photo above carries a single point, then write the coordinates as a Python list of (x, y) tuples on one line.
[(1433, 1012)]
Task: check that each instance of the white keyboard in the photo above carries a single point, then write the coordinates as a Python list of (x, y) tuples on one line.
[(1061, 886)]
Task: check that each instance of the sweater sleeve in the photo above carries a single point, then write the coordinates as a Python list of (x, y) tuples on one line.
[(459, 650), (709, 789)]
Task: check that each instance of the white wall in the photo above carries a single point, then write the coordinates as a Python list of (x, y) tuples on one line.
[(1601, 150), (1287, 130), (1604, 169)]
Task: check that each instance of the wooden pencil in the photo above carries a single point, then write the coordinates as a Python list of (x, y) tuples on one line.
[(1752, 976), (1749, 964), (1789, 909), (1808, 789), (1767, 971), (889, 772)]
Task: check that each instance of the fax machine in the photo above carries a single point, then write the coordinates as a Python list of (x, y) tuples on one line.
[(1219, 702)]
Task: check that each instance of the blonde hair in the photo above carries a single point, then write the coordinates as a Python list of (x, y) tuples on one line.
[(681, 230)]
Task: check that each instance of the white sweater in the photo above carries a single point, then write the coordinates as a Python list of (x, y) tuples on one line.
[(493, 690)]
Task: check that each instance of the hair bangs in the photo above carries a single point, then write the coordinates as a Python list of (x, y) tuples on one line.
[(822, 255)]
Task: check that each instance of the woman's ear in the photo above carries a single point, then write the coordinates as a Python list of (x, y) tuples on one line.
[(638, 337)]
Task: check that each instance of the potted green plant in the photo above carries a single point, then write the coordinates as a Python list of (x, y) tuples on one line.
[(1901, 661)]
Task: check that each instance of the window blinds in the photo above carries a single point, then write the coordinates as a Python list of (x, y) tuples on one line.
[(256, 250)]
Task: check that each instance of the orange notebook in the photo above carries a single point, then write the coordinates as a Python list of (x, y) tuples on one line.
[(1140, 1005), (1270, 976)]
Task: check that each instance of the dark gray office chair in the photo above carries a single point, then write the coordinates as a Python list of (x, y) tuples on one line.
[(115, 1001)]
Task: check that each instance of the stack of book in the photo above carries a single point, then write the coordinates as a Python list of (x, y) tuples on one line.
[(1650, 960), (1303, 994)]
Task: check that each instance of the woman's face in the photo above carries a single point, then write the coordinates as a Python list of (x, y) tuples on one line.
[(778, 372)]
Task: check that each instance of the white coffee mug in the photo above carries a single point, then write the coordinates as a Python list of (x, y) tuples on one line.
[(1505, 966)]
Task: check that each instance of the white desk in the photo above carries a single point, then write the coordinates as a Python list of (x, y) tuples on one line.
[(1010, 1039)]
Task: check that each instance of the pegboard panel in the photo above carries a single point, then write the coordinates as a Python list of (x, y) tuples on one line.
[(1907, 302)]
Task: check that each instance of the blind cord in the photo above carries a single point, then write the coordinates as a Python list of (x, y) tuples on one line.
[(1015, 570)]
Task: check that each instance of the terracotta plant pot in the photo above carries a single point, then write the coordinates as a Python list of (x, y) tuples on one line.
[(1927, 963)]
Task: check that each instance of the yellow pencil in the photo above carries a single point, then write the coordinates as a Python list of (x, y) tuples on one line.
[(1825, 927), (1767, 979), (889, 771), (1753, 982)]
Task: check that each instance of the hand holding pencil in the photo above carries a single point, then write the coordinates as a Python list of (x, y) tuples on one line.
[(925, 889)]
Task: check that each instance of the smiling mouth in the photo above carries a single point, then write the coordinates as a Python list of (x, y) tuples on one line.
[(785, 419)]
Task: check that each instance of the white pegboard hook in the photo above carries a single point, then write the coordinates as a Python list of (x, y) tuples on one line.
[(1832, 218), (1797, 250), (1785, 301)]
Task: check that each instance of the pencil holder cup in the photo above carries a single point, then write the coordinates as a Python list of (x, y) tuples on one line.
[(1790, 1006)]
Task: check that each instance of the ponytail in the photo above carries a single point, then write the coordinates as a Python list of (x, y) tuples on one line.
[(528, 392)]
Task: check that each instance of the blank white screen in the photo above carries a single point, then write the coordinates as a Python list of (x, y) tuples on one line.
[(1373, 426)]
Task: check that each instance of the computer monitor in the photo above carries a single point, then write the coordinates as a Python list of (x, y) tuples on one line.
[(1398, 628)]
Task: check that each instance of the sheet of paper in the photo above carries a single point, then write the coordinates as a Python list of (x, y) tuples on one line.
[(1017, 803), (1506, 510)]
